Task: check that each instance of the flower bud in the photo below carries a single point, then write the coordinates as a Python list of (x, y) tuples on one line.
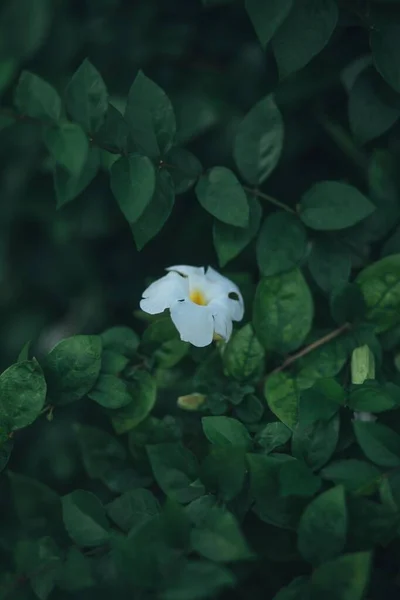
[(362, 365)]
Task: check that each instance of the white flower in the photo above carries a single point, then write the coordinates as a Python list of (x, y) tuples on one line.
[(202, 303), (364, 416)]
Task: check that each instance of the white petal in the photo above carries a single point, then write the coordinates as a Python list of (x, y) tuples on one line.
[(364, 416), (228, 287), (161, 294), (222, 318), (186, 270), (194, 322)]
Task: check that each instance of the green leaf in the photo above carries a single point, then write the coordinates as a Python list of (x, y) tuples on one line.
[(223, 471), (314, 442), (36, 98), (68, 145), (267, 17), (185, 168), (133, 182), (22, 393), (330, 264), (111, 392), (385, 46), (371, 397), (344, 578), (283, 311), (355, 475), (259, 141), (120, 339), (24, 25), (273, 436), (220, 538), (229, 241), (6, 448), (143, 391), (369, 115), (72, 368), (244, 356), (380, 285), (347, 304), (198, 580), (298, 589), (175, 470), (35, 504), (304, 34), (325, 362), (113, 363), (150, 117), (220, 193), (225, 431), (69, 186), (113, 134), (85, 519), (156, 213), (281, 243), (332, 205), (379, 443), (250, 410), (297, 479), (323, 527), (76, 573), (100, 451), (133, 508), (282, 395), (87, 97), (39, 561)]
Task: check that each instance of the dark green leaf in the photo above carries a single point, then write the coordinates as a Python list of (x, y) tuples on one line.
[(198, 580), (229, 241), (259, 141), (39, 561), (330, 264), (298, 589), (267, 17), (143, 391), (344, 578), (347, 304), (355, 475), (220, 193), (75, 574), (87, 98), (323, 527), (282, 395), (22, 393), (34, 502), (113, 134), (296, 479), (133, 508), (120, 339), (69, 186), (156, 212), (244, 356), (150, 117), (36, 98), (24, 25), (385, 46), (371, 397), (304, 34), (223, 471), (111, 392), (316, 441), (332, 205), (133, 182), (274, 435), (225, 431), (100, 451), (281, 243), (184, 168), (68, 145), (85, 518), (379, 443), (283, 311), (72, 368)]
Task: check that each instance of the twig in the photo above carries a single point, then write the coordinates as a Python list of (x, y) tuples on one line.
[(269, 198), (317, 344)]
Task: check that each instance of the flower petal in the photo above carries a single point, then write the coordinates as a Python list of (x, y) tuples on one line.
[(186, 270), (222, 317), (227, 286), (161, 294), (194, 322)]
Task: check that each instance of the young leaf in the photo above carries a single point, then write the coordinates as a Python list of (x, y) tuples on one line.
[(220, 194), (85, 518), (156, 213), (133, 182), (344, 578), (229, 241), (380, 286), (304, 34), (332, 205), (133, 508), (330, 264), (282, 395), (379, 443), (68, 145), (259, 141), (281, 243), (72, 368), (267, 17), (283, 311), (225, 431), (244, 356), (150, 117), (22, 393), (36, 98), (323, 527), (87, 97)]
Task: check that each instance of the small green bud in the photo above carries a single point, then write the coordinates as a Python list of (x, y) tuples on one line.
[(191, 401), (362, 365)]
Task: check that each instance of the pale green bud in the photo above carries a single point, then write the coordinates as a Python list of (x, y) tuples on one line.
[(362, 365)]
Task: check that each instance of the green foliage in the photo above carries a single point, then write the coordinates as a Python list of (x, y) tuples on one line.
[(251, 134)]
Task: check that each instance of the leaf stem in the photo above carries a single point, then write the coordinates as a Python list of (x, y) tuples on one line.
[(269, 198), (313, 346)]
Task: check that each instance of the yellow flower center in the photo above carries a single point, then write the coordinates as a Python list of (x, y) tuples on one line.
[(197, 297)]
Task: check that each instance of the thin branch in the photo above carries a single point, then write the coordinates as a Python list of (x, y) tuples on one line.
[(269, 198), (317, 344)]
